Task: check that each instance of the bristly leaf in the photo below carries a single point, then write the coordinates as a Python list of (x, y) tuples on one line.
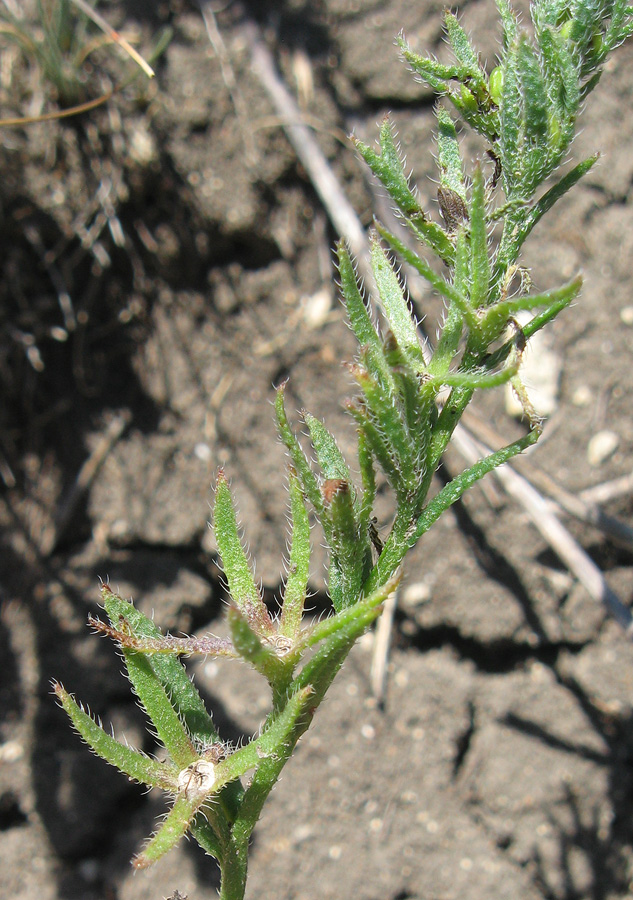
[(466, 55), (328, 455), (449, 160), (480, 263), (307, 478), (235, 564), (298, 563), (174, 827), (182, 693), (349, 547), (395, 307), (387, 166), (132, 763), (168, 725)]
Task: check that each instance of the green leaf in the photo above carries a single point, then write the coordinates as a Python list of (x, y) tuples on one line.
[(132, 763), (387, 166), (305, 474), (389, 420), (561, 77), (235, 564), (174, 827), (183, 694), (510, 24), (328, 455), (436, 281), (340, 622), (510, 140), (180, 690), (349, 546), (465, 53), (277, 732), (360, 320), (434, 236), (496, 318), (395, 307), (449, 160), (462, 482), (554, 194), (157, 704), (534, 96), (368, 477), (436, 75), (298, 563), (480, 263)]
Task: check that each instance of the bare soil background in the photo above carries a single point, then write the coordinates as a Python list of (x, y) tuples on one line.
[(197, 260)]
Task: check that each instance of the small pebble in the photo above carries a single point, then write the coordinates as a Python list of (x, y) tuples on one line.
[(416, 594), (582, 395), (601, 447), (626, 315)]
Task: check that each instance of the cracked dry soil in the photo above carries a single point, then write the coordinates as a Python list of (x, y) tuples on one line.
[(501, 764)]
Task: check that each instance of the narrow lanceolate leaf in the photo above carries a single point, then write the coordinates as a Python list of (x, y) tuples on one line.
[(434, 236), (395, 307), (497, 317), (479, 261), (448, 156), (435, 74), (359, 318), (339, 622), (277, 732), (350, 624), (180, 690), (305, 474), (347, 544), (329, 457), (462, 482), (436, 281), (510, 25), (561, 76), (157, 704), (298, 563), (388, 167), (182, 693), (465, 53), (242, 586), (554, 194), (174, 827), (390, 421), (510, 139), (368, 477), (131, 762)]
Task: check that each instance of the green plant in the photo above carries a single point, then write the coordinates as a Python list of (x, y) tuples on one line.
[(526, 111)]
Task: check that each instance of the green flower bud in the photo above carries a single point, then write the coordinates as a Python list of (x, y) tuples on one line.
[(495, 84)]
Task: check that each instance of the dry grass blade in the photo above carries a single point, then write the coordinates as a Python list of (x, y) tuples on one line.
[(114, 36)]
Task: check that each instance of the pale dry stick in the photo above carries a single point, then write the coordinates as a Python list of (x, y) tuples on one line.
[(609, 490), (84, 479), (340, 211), (228, 76), (554, 532), (382, 645), (562, 500)]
